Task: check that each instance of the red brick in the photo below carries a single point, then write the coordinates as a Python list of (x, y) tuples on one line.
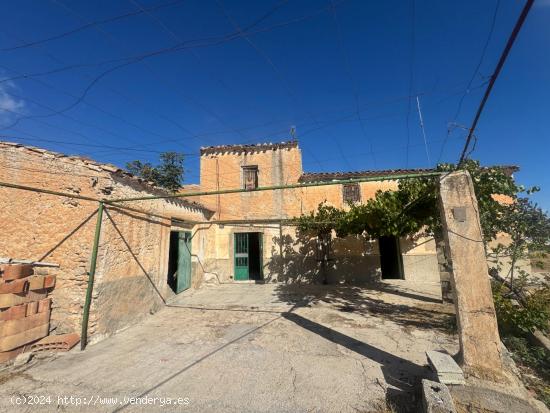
[(49, 282), (32, 308), (14, 313), (44, 305), (14, 287), (12, 327), (16, 271), (17, 340)]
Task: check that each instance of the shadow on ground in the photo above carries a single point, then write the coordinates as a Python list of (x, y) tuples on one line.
[(417, 312)]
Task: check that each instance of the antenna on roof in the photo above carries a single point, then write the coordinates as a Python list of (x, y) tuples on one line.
[(293, 132)]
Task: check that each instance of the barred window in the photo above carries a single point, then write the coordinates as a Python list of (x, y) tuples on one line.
[(250, 177), (351, 193)]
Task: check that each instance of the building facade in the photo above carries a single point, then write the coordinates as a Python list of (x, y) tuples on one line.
[(252, 242)]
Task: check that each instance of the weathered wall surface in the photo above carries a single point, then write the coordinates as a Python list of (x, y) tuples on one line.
[(133, 252), (288, 256)]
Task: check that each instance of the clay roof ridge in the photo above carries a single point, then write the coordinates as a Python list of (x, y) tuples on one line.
[(249, 146), (313, 176), (98, 166)]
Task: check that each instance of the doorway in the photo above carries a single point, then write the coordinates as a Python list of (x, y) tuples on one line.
[(179, 261), (248, 256), (391, 261)]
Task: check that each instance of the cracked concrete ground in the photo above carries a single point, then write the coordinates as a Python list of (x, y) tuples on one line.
[(253, 348)]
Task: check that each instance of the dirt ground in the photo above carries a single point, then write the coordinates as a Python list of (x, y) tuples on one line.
[(251, 348)]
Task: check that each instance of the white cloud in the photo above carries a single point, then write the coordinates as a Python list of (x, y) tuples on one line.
[(9, 103)]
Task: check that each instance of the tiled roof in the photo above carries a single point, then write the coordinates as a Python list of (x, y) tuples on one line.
[(331, 176), (99, 167), (257, 147)]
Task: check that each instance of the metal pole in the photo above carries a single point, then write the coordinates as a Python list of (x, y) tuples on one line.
[(292, 186), (91, 274)]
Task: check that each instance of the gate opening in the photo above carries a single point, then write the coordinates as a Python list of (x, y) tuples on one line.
[(173, 261), (391, 261)]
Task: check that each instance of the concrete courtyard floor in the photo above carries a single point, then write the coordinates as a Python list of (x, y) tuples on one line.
[(252, 348)]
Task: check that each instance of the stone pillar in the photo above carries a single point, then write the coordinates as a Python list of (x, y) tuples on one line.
[(445, 269), (477, 325)]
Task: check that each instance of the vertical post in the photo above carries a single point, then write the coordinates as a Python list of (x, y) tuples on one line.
[(478, 332), (91, 275)]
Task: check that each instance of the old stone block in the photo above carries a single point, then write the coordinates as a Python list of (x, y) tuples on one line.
[(446, 369), (436, 398)]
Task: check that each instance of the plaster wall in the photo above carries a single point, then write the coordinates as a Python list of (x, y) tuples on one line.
[(289, 256)]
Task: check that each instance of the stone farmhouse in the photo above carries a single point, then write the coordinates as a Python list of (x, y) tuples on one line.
[(150, 250), (263, 248)]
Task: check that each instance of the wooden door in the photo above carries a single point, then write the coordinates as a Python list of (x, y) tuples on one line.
[(184, 261)]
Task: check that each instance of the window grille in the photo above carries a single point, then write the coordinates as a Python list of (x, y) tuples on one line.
[(351, 193), (250, 177)]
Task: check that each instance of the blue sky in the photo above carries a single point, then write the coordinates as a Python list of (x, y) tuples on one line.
[(346, 74)]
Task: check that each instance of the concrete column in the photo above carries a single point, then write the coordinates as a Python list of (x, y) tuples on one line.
[(477, 325)]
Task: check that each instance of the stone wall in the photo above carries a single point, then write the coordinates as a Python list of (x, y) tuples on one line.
[(290, 257), (133, 252)]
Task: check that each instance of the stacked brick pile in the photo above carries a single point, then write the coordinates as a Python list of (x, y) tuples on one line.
[(24, 307)]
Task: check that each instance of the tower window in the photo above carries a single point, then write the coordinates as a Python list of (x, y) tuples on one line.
[(250, 177)]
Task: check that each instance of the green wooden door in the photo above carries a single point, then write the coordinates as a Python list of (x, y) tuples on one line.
[(241, 256), (184, 261)]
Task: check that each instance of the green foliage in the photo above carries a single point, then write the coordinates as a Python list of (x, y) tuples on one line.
[(388, 213), (516, 319), (533, 359), (529, 229), (414, 206), (533, 356), (322, 221), (169, 174)]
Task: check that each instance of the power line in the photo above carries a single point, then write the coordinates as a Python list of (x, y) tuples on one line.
[(139, 58), (422, 128), (275, 69), (474, 74), (89, 25), (494, 76), (171, 87), (195, 55), (189, 44), (104, 111), (355, 88)]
